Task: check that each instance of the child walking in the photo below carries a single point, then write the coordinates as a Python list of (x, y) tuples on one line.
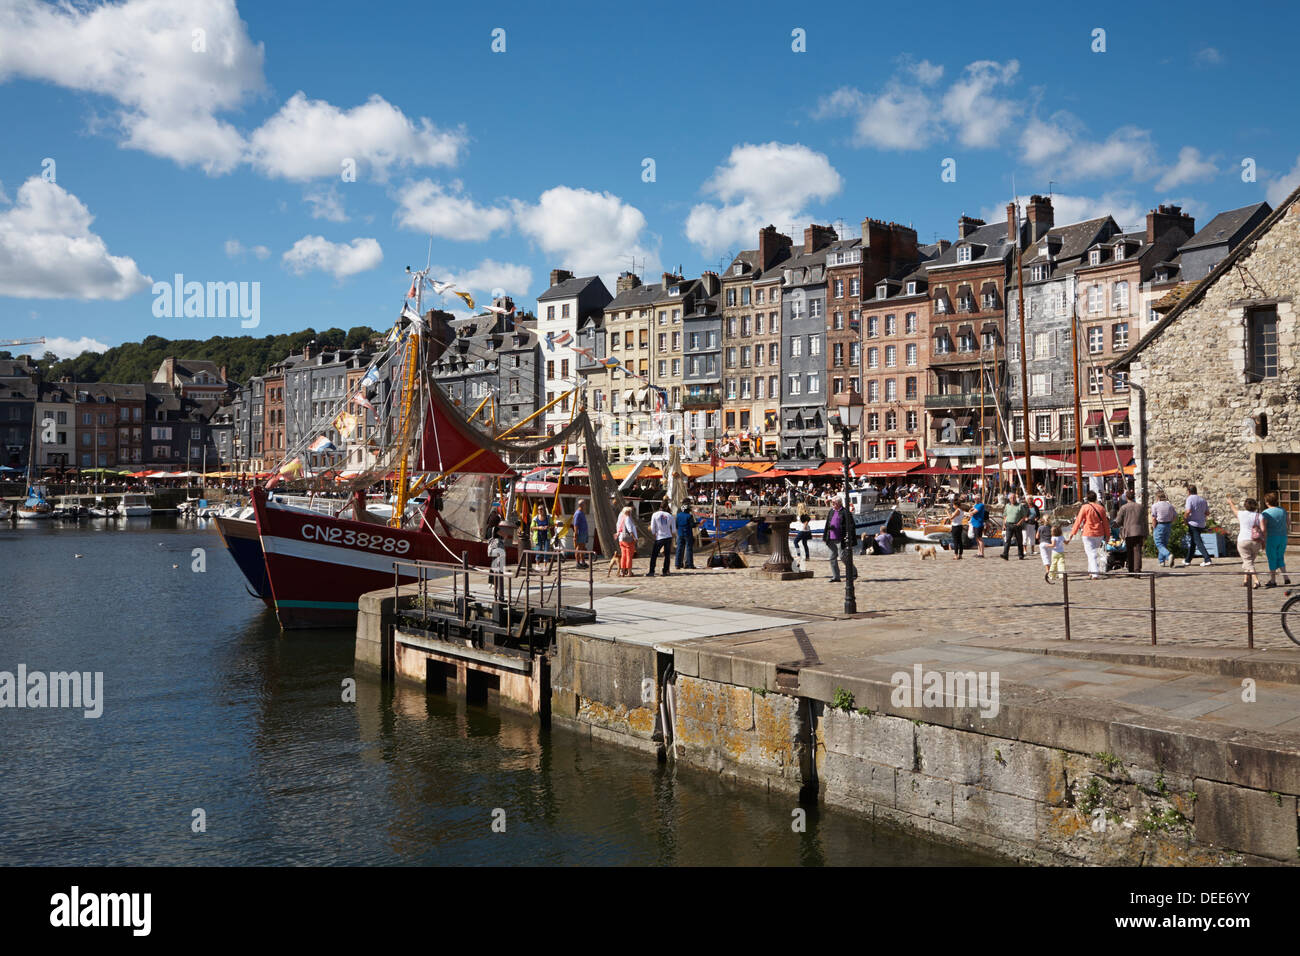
[(1057, 552)]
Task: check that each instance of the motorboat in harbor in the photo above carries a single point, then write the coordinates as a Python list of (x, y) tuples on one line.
[(103, 508), (71, 507), (134, 506)]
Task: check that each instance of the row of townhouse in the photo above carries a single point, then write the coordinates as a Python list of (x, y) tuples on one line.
[(927, 334)]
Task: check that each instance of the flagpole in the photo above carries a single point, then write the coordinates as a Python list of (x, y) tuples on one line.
[(1024, 367)]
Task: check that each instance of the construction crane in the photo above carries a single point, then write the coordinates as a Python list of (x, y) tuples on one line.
[(39, 341)]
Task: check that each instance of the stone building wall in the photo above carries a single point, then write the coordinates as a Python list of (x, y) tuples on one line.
[(1201, 415)]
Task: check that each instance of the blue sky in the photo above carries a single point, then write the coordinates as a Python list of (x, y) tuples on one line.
[(225, 164)]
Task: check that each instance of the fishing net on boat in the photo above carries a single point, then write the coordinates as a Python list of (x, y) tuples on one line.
[(606, 500), (467, 504)]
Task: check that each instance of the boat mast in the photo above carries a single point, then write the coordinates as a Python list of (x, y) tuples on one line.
[(1027, 477)]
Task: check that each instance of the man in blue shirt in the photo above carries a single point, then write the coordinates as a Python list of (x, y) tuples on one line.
[(1197, 509), (580, 535), (685, 539)]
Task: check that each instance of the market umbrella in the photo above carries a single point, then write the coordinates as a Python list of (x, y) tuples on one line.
[(729, 475), (1035, 463)]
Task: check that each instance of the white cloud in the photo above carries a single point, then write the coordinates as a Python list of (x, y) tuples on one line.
[(1191, 167), (444, 211), (47, 250), (1209, 56), (584, 231), (760, 184), (1284, 185), (325, 203), (71, 348), (237, 250), (973, 107), (309, 139), (1059, 148), (339, 259), (488, 275), (904, 116), (141, 53)]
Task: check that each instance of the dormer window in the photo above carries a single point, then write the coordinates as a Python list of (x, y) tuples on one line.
[(738, 269), (882, 291), (1094, 257), (963, 254), (675, 290), (1038, 273), (911, 288), (1119, 252)]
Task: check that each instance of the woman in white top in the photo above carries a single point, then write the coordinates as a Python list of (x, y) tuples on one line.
[(627, 538), (1250, 537)]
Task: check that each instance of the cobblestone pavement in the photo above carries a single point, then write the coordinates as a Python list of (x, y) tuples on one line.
[(993, 598)]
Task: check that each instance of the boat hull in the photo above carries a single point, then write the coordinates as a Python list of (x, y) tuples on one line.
[(241, 540), (318, 566)]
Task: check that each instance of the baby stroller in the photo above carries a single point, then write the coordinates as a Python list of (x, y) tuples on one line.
[(1116, 554)]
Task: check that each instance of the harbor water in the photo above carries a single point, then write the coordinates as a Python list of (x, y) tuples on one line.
[(223, 742)]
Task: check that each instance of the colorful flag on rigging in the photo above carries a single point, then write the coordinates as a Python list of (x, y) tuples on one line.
[(610, 362), (564, 338), (370, 378), (469, 299), (550, 341), (440, 287), (345, 423), (360, 399), (322, 443)]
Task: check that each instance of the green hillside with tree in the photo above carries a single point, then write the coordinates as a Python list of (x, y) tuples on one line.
[(243, 356)]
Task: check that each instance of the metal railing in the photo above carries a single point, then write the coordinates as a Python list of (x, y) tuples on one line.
[(510, 604), (1153, 610)]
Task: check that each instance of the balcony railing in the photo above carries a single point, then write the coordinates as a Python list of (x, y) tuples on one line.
[(959, 400), (707, 399)]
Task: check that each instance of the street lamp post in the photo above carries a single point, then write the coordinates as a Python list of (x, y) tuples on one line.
[(849, 406)]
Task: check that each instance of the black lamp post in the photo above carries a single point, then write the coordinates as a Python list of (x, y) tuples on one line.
[(849, 406)]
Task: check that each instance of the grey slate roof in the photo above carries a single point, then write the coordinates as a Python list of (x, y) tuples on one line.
[(569, 288), (1226, 226)]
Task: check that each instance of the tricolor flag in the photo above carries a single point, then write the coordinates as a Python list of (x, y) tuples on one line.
[(564, 338), (469, 299), (322, 443)]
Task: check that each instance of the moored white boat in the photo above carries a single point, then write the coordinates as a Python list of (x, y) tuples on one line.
[(134, 506)]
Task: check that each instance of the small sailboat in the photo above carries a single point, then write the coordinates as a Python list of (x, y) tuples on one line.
[(36, 507)]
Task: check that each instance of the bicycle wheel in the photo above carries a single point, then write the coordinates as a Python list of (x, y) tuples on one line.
[(1291, 625)]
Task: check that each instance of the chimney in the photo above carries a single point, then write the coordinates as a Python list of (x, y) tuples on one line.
[(770, 244), (712, 283), (943, 246), (169, 372), (222, 370), (560, 275), (817, 237), (670, 278), (626, 281), (966, 225), (1040, 215), (306, 352), (1164, 218)]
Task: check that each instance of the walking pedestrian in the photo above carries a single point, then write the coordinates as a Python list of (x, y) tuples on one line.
[(1057, 552), (685, 538), (541, 528), (1013, 524), (1132, 519), (1162, 518), (661, 529), (957, 525), (1045, 536), (627, 538), (581, 555), (1093, 522), (1197, 509), (837, 535), (1276, 527), (978, 515), (496, 552), (1033, 515), (1251, 536), (802, 537)]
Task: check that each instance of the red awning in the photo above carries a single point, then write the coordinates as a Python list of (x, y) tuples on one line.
[(1095, 417), (910, 444), (886, 469), (1097, 462), (1119, 415)]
